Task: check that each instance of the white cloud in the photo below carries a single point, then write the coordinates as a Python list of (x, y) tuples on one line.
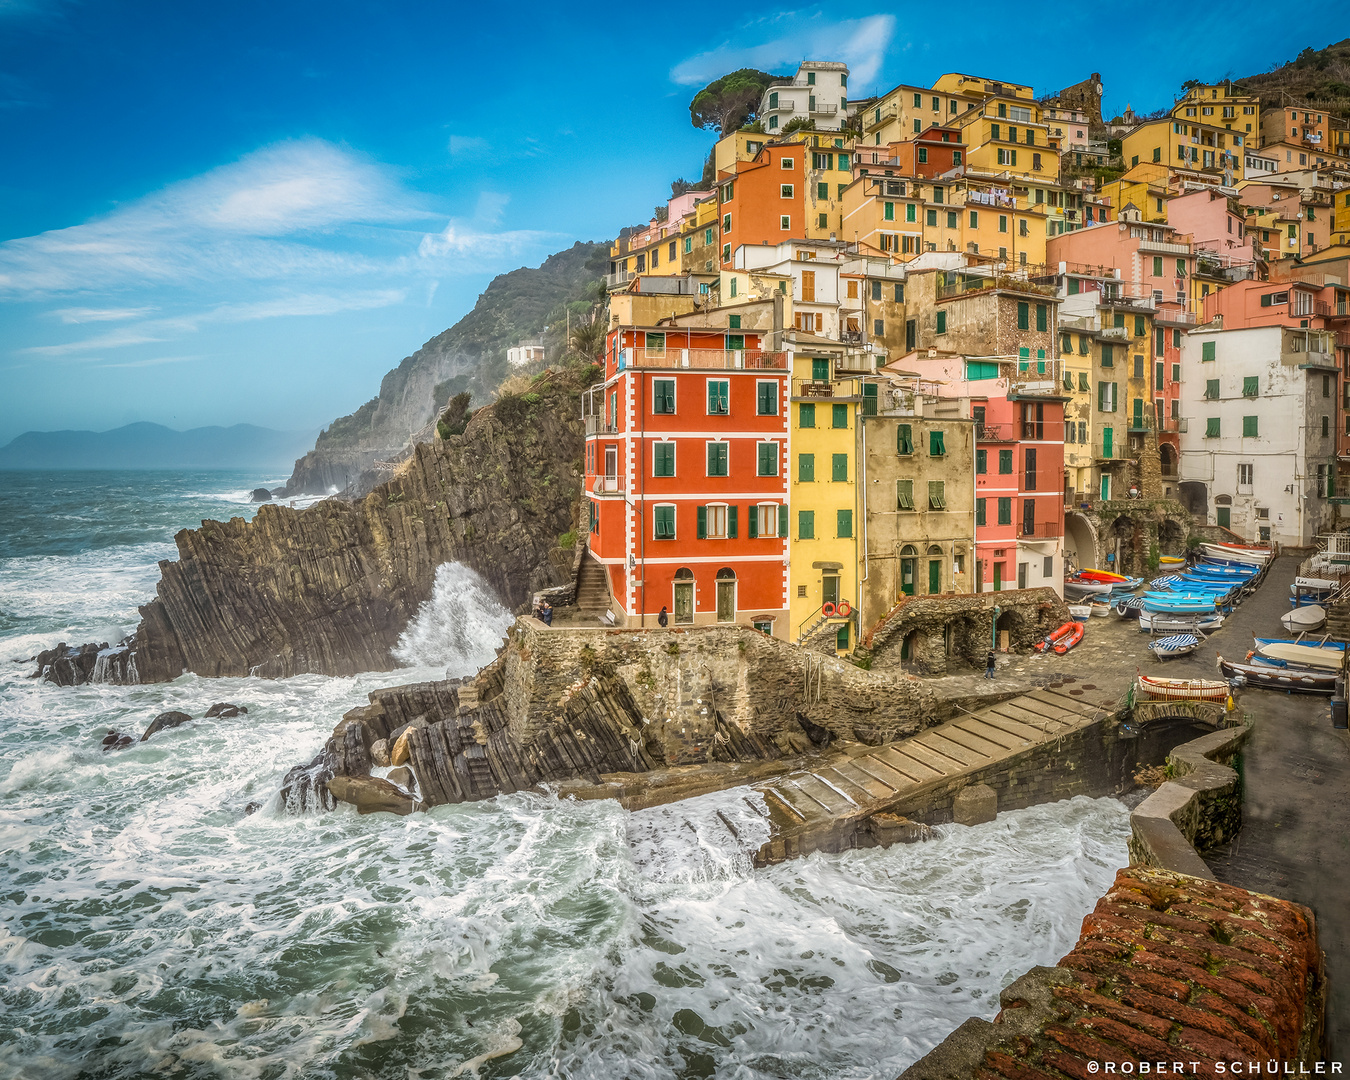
[(860, 43), (86, 315), (152, 361)]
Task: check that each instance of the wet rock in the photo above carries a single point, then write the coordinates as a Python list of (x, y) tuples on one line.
[(261, 495), (115, 740), (252, 808), (164, 721), (379, 753), (371, 795), (66, 666), (401, 776), (225, 710), (305, 787), (974, 805), (888, 829), (400, 754)]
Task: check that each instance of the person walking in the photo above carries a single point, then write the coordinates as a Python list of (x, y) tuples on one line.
[(989, 665), (663, 619)]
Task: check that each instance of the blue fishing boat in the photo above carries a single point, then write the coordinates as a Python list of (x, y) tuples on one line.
[(1165, 648)]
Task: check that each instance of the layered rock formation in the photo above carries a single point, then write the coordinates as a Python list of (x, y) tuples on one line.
[(328, 589), (577, 704)]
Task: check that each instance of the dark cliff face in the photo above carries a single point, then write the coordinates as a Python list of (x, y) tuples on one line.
[(329, 589)]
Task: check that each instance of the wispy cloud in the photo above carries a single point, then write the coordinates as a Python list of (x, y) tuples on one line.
[(77, 315), (860, 43), (152, 361)]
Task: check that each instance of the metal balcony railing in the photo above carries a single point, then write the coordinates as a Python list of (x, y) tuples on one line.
[(1040, 530), (607, 485), (724, 359), (996, 433), (599, 425)]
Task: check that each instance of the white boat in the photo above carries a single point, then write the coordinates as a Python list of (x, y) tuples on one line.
[(1283, 654), (1165, 648), (1253, 556), (1101, 607), (1161, 622), (1312, 584), (1309, 617), (1080, 612), (1086, 589)]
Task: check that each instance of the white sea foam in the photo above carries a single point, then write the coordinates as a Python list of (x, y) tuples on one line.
[(460, 628)]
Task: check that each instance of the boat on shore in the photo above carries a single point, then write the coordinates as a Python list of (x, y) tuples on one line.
[(1171, 560), (1318, 643), (1161, 689), (1254, 556), (1165, 648), (1308, 617), (1157, 622), (1290, 680), (1069, 630), (1080, 612), (1286, 655)]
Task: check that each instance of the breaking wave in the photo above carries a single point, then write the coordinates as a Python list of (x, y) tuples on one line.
[(459, 629)]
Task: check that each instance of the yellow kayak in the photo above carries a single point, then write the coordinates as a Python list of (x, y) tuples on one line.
[(1170, 560)]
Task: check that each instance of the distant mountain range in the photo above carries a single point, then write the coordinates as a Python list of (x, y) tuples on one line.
[(153, 446)]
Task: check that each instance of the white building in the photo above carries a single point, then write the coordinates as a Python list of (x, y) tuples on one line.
[(524, 353), (818, 92), (1258, 446)]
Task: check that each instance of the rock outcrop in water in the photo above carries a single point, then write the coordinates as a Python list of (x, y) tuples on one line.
[(96, 663), (562, 704), (328, 589)]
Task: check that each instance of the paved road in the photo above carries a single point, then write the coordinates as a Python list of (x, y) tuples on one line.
[(1295, 839)]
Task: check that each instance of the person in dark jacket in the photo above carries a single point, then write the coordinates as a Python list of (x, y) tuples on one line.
[(663, 619), (545, 613), (989, 665)]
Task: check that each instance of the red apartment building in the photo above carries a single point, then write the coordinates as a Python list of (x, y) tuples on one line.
[(686, 476)]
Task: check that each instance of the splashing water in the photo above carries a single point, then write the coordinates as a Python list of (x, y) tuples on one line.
[(152, 927), (459, 628)]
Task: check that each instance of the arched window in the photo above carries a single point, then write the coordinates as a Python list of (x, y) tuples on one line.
[(684, 574), (1223, 500), (908, 551), (725, 574), (934, 549)]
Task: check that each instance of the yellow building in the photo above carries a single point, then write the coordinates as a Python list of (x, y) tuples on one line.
[(980, 87), (1075, 354), (1145, 186), (906, 111), (1340, 217), (822, 488), (1187, 144), (1006, 135), (736, 146), (1219, 106)]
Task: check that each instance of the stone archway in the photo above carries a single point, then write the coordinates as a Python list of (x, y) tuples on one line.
[(1167, 462), (1080, 541), (1171, 537), (1015, 626)]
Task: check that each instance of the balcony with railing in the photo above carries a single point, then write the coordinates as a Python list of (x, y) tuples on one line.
[(1032, 377), (1159, 247), (995, 433), (605, 486), (714, 359), (822, 109), (1040, 530), (952, 285), (599, 425)]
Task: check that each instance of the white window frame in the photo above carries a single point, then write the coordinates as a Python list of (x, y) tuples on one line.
[(674, 517), (766, 512), (707, 383), (709, 442), (785, 163), (777, 456), (674, 396), (785, 222), (716, 510), (663, 442), (1245, 468), (777, 392), (785, 191)]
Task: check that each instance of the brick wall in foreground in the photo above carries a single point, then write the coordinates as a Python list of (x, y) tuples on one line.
[(1169, 968)]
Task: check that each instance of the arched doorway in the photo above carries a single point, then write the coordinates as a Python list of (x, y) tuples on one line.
[(1080, 543), (684, 595), (1171, 538), (909, 645), (908, 556), (1223, 511), (726, 595), (1167, 461), (934, 568)]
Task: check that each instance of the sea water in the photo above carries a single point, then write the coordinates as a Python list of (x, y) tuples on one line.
[(150, 926)]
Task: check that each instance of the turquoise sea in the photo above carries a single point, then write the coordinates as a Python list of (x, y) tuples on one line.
[(150, 927)]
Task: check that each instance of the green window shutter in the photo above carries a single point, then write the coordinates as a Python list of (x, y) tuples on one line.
[(904, 439), (904, 494), (752, 521), (979, 512), (844, 524), (1023, 315), (936, 447), (806, 416), (937, 495), (1040, 317), (806, 468), (839, 467), (703, 523), (1157, 266), (1249, 427), (1005, 462), (1005, 511), (1211, 389), (1207, 350), (981, 461), (931, 217), (1108, 356), (806, 524), (888, 211), (783, 521), (909, 212), (731, 521), (1139, 329), (820, 371), (768, 459), (717, 459), (1101, 397), (1212, 427), (1040, 361), (941, 322), (1023, 358), (1118, 319), (822, 191), (869, 402), (1084, 382), (951, 219), (1251, 386), (767, 393), (664, 459), (663, 520), (839, 416)]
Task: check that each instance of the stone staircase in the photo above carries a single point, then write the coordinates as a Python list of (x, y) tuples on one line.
[(593, 596)]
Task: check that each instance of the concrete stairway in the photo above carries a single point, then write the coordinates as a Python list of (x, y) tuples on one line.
[(824, 807), (593, 596)]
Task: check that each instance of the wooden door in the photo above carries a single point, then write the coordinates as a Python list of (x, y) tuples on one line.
[(684, 601)]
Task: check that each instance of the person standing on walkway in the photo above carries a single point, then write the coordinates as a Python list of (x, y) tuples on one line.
[(663, 619), (989, 665)]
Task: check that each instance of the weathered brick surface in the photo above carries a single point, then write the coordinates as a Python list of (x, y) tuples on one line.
[(1168, 968)]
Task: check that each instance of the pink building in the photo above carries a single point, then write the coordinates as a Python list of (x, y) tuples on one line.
[(1216, 223), (1154, 262)]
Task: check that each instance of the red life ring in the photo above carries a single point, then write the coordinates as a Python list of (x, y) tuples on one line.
[(843, 609), (827, 609)]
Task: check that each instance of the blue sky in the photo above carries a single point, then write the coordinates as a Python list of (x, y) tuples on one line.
[(249, 212)]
